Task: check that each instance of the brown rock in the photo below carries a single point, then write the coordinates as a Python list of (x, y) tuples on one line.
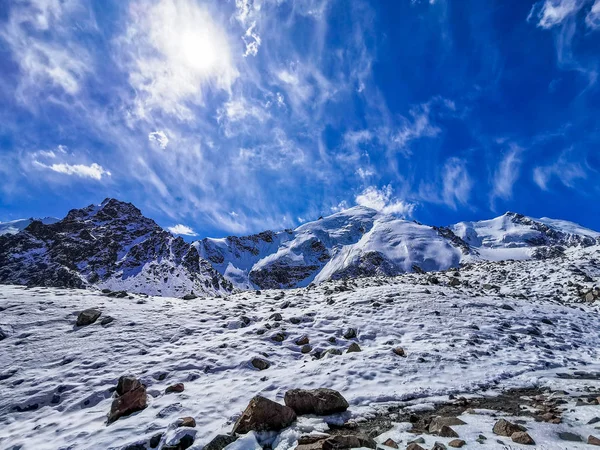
[(593, 440), (175, 388), (390, 443), (220, 441), (414, 446), (399, 351), (263, 414), (457, 443), (505, 428), (302, 340), (343, 442), (128, 403), (438, 422), (127, 383), (186, 422), (438, 446), (88, 317), (321, 402), (521, 437), (446, 431)]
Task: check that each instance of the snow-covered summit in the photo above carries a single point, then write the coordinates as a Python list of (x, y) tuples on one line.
[(111, 245), (14, 226)]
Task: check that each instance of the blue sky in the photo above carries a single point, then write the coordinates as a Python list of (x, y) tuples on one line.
[(231, 117)]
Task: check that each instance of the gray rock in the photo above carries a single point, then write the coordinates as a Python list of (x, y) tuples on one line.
[(88, 317), (321, 401), (263, 414)]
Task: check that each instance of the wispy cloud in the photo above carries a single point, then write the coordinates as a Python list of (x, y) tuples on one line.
[(94, 171), (383, 200), (183, 230), (550, 13), (160, 138), (507, 173), (564, 169), (457, 183)]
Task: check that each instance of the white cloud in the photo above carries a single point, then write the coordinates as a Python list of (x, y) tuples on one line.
[(507, 173), (365, 173), (341, 206), (457, 183), (566, 170), (592, 19), (384, 201), (419, 126), (39, 35), (160, 138), (182, 229), (175, 50), (553, 12), (94, 171)]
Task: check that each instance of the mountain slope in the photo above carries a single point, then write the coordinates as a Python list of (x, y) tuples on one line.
[(362, 242), (14, 226), (111, 245)]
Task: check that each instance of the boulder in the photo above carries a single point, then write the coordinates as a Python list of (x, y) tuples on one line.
[(446, 431), (131, 397), (184, 443), (260, 364), (521, 437), (414, 446), (155, 440), (593, 440), (438, 446), (438, 422), (352, 441), (321, 401), (175, 388), (186, 422), (457, 443), (399, 351), (220, 441), (306, 349), (505, 428), (88, 317), (350, 333), (302, 340), (263, 414), (354, 347), (390, 443)]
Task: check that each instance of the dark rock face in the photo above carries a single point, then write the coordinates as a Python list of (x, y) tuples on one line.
[(263, 414), (321, 402), (110, 242), (131, 397), (87, 317), (505, 428), (220, 442), (281, 276)]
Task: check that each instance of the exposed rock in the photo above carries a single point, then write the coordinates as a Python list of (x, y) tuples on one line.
[(184, 443), (263, 414), (131, 397), (414, 446), (457, 443), (571, 437), (446, 431), (260, 364), (521, 437), (278, 337), (390, 443), (505, 428), (321, 401), (220, 441), (155, 440), (306, 348), (186, 422), (302, 340), (106, 320), (88, 317), (438, 446), (175, 388), (354, 347), (593, 440), (350, 333), (349, 441), (399, 351), (191, 296), (438, 422)]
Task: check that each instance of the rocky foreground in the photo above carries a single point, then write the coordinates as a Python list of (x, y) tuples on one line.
[(494, 355)]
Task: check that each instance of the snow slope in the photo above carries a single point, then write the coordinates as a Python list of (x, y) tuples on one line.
[(14, 226), (362, 242), (506, 324)]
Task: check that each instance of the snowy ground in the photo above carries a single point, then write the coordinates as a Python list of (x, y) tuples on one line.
[(515, 324)]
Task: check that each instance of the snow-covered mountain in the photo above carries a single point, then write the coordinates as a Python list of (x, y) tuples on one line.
[(114, 246), (14, 226), (108, 246), (363, 242)]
